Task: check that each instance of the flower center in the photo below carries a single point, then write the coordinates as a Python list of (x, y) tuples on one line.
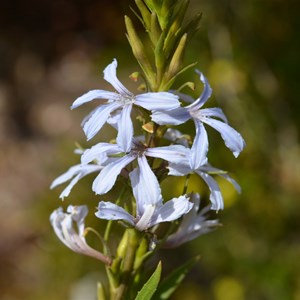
[(138, 149), (124, 100)]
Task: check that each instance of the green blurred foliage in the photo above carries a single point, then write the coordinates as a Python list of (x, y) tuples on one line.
[(249, 50)]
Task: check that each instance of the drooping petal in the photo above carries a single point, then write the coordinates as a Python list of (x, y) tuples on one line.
[(66, 176), (172, 153), (157, 101), (215, 112), (215, 193), (99, 117), (66, 192), (80, 171), (210, 169), (172, 117), (145, 186), (96, 152), (108, 176), (125, 129), (206, 93), (110, 75), (111, 211), (200, 147), (171, 210), (233, 140), (94, 94), (233, 182)]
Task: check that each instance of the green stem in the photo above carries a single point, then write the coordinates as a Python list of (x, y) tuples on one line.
[(186, 183), (127, 272)]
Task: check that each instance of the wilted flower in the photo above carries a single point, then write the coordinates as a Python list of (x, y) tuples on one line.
[(63, 225), (193, 224)]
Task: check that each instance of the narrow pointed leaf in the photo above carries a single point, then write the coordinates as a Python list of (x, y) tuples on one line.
[(139, 50), (146, 16), (150, 286), (171, 283)]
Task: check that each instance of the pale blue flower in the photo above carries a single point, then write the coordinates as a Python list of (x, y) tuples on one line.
[(121, 103), (74, 238), (108, 175), (189, 164), (193, 224), (233, 140), (150, 209), (75, 173)]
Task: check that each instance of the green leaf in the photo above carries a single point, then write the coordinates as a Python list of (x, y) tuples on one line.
[(171, 283), (150, 286)]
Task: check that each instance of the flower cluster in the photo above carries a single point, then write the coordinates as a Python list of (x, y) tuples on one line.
[(134, 158)]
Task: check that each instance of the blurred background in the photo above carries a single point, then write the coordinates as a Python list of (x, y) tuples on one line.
[(53, 51)]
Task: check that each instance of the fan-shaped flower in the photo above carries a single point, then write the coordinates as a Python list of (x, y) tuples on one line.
[(233, 140), (108, 175), (150, 209), (120, 102)]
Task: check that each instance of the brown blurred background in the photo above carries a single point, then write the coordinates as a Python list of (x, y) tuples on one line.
[(53, 51)]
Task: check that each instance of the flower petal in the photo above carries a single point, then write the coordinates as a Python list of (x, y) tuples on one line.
[(145, 186), (108, 176), (125, 129), (66, 176), (98, 119), (94, 94), (215, 193), (214, 112), (78, 214), (157, 101), (200, 147), (110, 75), (172, 153), (233, 140), (80, 171), (172, 210), (209, 169), (111, 211), (206, 93), (96, 152), (184, 97), (179, 169), (172, 117)]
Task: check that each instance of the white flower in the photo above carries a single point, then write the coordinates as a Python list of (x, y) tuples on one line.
[(120, 102), (233, 140), (150, 209), (192, 164), (108, 175), (75, 173), (193, 225), (63, 225)]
